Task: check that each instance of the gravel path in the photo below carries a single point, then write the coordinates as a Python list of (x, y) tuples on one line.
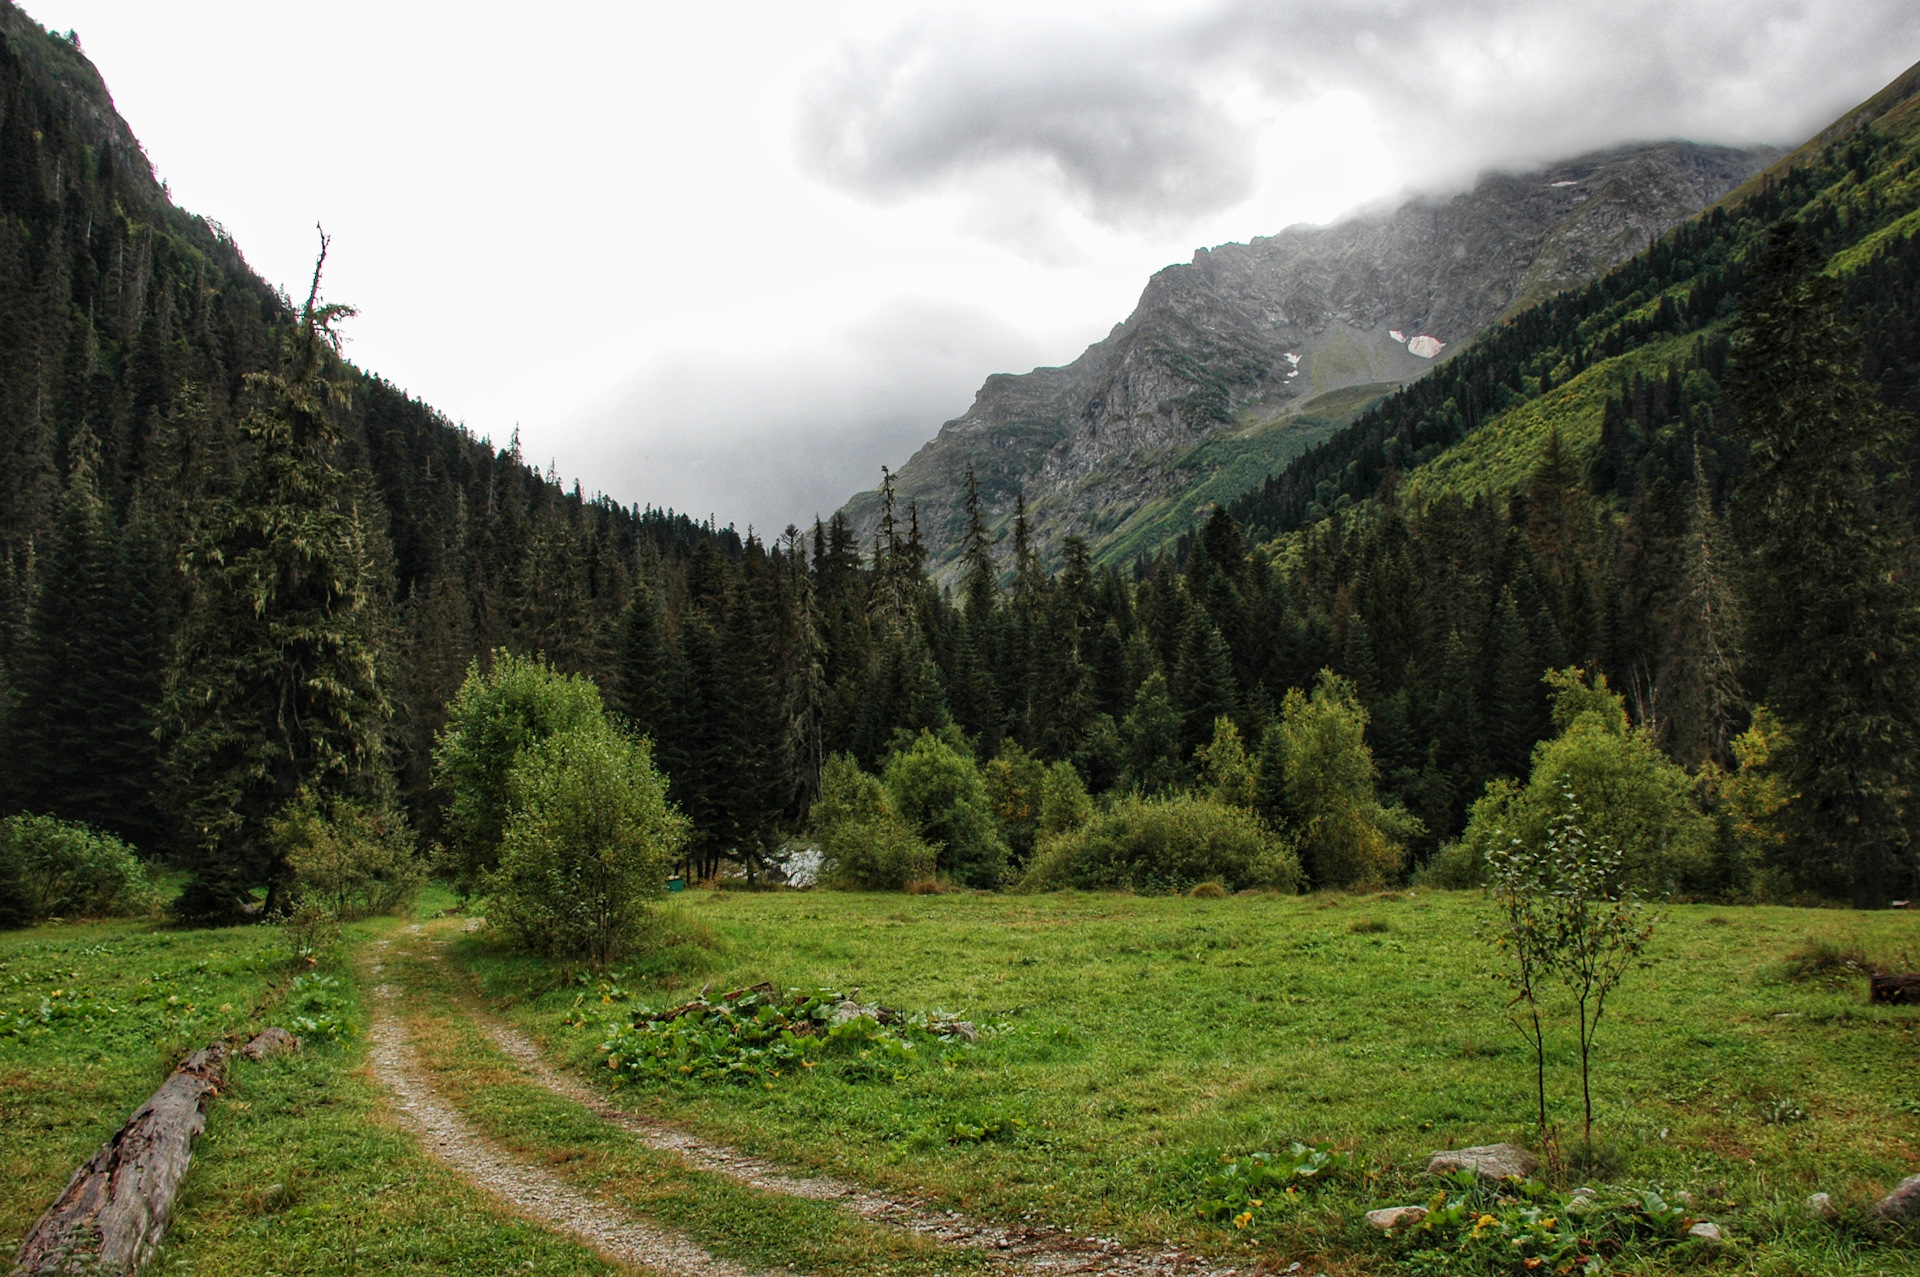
[(532, 1192)]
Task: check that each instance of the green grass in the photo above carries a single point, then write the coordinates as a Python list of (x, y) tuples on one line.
[(1146, 1038), (92, 1019), (1134, 1042), (1501, 454)]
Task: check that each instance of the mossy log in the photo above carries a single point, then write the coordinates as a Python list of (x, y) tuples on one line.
[(1894, 988), (114, 1211)]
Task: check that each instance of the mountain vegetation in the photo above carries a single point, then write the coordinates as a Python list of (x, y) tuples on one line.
[(240, 578)]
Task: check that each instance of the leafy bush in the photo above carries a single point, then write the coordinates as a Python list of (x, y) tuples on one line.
[(349, 861), (1316, 777), (14, 908), (317, 1009), (588, 842), (495, 717), (1248, 1186), (1016, 785), (864, 844), (65, 869), (1525, 1229), (1631, 796), (935, 787), (1166, 845), (1064, 804), (756, 1034)]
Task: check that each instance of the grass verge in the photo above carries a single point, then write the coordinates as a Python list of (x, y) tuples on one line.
[(1150, 1042)]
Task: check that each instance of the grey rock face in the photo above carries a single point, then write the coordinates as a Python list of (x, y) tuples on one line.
[(1902, 1205), (1244, 335), (1489, 1161)]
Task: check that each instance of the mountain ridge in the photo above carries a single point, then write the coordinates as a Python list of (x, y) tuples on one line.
[(1209, 384)]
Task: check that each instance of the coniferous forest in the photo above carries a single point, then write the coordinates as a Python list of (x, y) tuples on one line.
[(234, 567)]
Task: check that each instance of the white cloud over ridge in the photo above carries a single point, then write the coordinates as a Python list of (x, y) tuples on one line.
[(1136, 116)]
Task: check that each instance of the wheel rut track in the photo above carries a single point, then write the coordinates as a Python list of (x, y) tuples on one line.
[(1033, 1248), (531, 1192)]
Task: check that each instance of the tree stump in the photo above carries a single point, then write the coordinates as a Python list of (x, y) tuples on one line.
[(1894, 988), (114, 1211)]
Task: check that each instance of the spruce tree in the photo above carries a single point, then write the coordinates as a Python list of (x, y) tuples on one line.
[(274, 689), (1835, 629), (641, 678), (59, 718)]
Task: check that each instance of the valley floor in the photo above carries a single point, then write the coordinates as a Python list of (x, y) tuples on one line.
[(1132, 1044)]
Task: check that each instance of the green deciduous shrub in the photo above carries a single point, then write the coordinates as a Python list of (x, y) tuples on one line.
[(1632, 797), (1016, 785), (317, 1009), (513, 705), (864, 844), (346, 860), (588, 842), (1064, 804), (1166, 844), (934, 786), (1316, 777), (65, 869)]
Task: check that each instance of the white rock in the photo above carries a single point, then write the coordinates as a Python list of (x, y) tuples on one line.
[(1389, 1218), (1491, 1161), (1397, 335), (1426, 347), (1903, 1203), (1706, 1232)]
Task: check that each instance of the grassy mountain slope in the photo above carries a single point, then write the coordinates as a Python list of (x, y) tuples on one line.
[(1478, 421)]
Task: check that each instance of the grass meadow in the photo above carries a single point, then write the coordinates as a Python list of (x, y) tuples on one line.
[(1132, 1043), (1139, 1040)]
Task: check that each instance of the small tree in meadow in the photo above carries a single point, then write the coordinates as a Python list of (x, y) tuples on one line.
[(1570, 915), (511, 706), (588, 842)]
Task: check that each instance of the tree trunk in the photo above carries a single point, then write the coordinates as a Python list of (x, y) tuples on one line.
[(1894, 988), (114, 1211)]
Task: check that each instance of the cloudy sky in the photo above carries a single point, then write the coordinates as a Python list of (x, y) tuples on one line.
[(734, 258)]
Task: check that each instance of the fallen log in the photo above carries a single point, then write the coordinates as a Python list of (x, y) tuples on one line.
[(114, 1211), (1894, 988)]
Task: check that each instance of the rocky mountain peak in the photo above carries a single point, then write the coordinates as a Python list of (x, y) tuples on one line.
[(1249, 354)]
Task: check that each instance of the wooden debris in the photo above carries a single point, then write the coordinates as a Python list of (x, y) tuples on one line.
[(272, 1042), (1895, 988), (113, 1213)]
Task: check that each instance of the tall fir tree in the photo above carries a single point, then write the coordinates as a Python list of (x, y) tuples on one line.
[(1833, 615), (274, 689)]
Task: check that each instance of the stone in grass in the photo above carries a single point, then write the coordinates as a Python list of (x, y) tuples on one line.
[(275, 1041), (1389, 1218), (1820, 1206), (1902, 1205), (1489, 1161)]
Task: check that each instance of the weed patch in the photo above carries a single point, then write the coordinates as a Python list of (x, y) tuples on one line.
[(755, 1035)]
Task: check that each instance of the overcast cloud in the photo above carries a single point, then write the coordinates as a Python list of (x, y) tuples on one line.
[(733, 259)]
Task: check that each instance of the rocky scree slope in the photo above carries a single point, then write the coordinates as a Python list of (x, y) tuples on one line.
[(1235, 363)]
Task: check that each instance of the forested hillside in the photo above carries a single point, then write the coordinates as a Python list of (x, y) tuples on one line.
[(222, 548), (128, 330)]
